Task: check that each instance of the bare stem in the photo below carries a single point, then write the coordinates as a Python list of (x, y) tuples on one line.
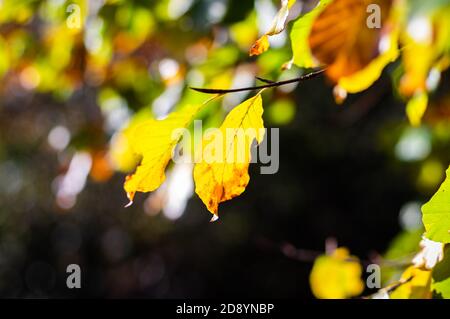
[(268, 85)]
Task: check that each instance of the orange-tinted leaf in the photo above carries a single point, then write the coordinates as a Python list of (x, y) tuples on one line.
[(365, 77), (101, 169), (342, 39), (260, 46)]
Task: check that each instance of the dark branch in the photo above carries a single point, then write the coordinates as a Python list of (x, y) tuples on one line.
[(259, 87), (264, 80)]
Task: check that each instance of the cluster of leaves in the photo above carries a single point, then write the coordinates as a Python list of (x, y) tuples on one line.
[(337, 35), (118, 40)]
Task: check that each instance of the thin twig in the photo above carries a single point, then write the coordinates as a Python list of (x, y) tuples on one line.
[(264, 80), (268, 85)]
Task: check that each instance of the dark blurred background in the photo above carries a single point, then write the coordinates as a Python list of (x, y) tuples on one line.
[(356, 172)]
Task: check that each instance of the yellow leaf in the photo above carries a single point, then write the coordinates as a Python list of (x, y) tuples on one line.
[(122, 157), (222, 172), (341, 38), (155, 140), (417, 61), (260, 46), (416, 286), (364, 78), (416, 108), (336, 276), (426, 41), (120, 152)]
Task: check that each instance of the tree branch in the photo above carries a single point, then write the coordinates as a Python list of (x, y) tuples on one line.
[(268, 85)]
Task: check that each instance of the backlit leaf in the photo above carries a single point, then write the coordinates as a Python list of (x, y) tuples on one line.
[(299, 36), (436, 213), (155, 140), (364, 78), (222, 172), (416, 284), (260, 46), (425, 41), (342, 39), (336, 276)]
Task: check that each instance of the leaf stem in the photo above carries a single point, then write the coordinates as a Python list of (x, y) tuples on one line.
[(268, 85)]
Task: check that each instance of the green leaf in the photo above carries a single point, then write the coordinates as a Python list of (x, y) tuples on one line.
[(299, 36), (436, 213), (441, 276)]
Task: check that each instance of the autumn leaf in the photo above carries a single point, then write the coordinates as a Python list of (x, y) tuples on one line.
[(416, 107), (155, 140), (364, 78), (425, 43), (436, 213), (260, 46), (416, 284), (336, 276), (299, 37), (120, 153), (277, 26), (341, 38), (222, 172)]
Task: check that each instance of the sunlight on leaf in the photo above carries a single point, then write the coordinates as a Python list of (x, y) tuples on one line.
[(336, 276), (341, 38), (426, 41), (436, 213), (260, 46), (416, 286), (364, 78), (299, 37), (222, 172), (155, 140)]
